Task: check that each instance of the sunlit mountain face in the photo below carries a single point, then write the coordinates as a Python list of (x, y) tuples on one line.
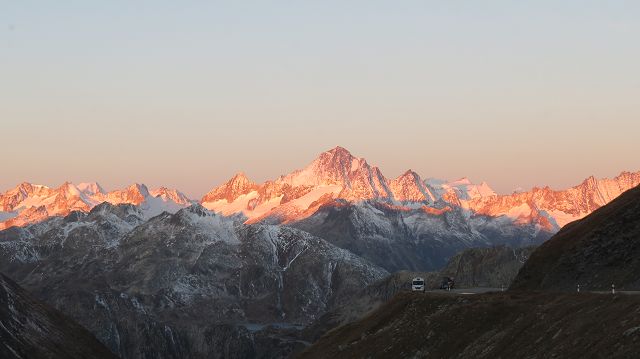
[(334, 178), (29, 203), (337, 177)]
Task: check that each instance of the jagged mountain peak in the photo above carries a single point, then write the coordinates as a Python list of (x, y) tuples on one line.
[(339, 150), (109, 207), (235, 187), (408, 174), (135, 194), (240, 177), (26, 186), (125, 211), (25, 189), (91, 188), (196, 209), (170, 194), (409, 187), (30, 203), (69, 190), (334, 167), (139, 188)]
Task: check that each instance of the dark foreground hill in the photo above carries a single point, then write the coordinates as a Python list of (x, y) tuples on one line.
[(595, 252), (494, 325), (31, 329)]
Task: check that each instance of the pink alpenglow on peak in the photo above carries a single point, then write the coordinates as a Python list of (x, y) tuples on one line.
[(168, 194), (29, 203), (237, 186), (409, 187), (334, 178), (91, 188), (338, 175)]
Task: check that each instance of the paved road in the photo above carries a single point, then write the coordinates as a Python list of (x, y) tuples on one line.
[(465, 290), (468, 291)]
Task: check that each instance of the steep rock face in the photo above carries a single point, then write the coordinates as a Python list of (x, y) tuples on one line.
[(410, 188), (168, 194), (494, 325), (12, 199), (190, 284), (595, 252), (32, 329), (134, 194), (91, 188), (237, 186), (69, 198), (357, 179)]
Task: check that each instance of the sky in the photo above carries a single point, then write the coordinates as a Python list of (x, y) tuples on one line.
[(186, 93)]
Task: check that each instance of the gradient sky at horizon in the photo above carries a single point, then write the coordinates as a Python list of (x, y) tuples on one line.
[(185, 94)]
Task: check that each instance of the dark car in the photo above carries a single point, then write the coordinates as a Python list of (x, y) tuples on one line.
[(447, 283)]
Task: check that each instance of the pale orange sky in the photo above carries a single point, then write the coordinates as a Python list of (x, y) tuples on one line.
[(185, 96)]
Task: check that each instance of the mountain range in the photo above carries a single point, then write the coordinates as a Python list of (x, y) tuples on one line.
[(336, 175), (406, 223)]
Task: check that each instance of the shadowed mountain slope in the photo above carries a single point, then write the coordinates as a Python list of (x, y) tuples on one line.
[(597, 251), (493, 325), (31, 329)]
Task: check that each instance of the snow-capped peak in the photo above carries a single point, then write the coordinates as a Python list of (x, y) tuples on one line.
[(464, 181), (29, 203), (91, 188), (237, 186), (339, 167), (170, 194), (409, 187), (69, 190), (139, 188), (462, 189), (134, 194)]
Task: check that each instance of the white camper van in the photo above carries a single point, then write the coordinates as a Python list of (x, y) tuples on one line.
[(417, 285)]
